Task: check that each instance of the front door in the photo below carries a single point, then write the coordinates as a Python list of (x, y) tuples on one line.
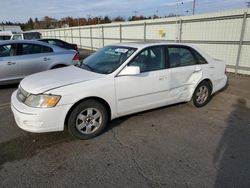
[(147, 90)]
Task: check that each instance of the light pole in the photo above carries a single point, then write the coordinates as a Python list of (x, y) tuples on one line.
[(135, 12), (157, 11), (194, 6), (248, 4)]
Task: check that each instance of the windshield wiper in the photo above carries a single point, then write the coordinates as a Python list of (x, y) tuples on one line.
[(88, 67), (92, 69)]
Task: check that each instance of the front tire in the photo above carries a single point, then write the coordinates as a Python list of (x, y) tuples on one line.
[(87, 120), (202, 94)]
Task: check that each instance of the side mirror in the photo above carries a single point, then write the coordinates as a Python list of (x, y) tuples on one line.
[(130, 71)]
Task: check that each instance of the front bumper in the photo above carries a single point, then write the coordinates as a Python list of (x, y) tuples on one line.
[(38, 120)]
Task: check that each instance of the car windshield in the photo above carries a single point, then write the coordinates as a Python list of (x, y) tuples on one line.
[(107, 59)]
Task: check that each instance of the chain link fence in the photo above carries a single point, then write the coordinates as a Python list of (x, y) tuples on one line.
[(223, 35)]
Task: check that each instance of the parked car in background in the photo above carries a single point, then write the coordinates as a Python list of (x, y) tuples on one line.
[(26, 36), (19, 59), (115, 81), (5, 35), (60, 43)]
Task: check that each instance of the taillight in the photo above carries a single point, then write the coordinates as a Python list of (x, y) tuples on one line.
[(76, 57)]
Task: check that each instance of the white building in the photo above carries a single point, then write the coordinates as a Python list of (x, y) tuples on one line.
[(13, 28)]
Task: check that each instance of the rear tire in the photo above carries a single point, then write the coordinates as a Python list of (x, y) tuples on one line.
[(87, 120), (201, 95)]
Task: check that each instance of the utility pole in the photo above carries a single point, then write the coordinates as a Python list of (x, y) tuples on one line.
[(135, 12), (248, 4), (194, 2)]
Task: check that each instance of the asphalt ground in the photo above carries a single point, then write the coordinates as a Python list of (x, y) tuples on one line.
[(174, 146)]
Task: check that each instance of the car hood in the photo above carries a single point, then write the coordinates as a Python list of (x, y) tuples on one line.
[(45, 81)]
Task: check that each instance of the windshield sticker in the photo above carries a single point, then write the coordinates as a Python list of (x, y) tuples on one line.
[(121, 50), (111, 53)]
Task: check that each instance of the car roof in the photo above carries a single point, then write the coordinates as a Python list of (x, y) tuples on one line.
[(141, 45), (55, 48), (49, 39)]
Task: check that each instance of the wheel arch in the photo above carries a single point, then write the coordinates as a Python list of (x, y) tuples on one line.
[(58, 65), (99, 99), (209, 81), (203, 80)]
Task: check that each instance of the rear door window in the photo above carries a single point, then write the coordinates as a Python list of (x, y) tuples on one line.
[(27, 49), (180, 57), (200, 59)]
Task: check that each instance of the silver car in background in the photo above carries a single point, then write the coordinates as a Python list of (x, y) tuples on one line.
[(19, 59)]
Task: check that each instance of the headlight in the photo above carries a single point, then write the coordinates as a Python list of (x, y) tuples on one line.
[(42, 101)]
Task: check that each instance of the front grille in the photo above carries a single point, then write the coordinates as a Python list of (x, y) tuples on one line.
[(22, 94)]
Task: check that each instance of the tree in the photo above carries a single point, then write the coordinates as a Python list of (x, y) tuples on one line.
[(134, 18), (106, 19), (119, 19), (30, 24)]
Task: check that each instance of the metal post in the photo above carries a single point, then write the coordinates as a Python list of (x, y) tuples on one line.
[(194, 7), (91, 38), (102, 36), (71, 35), (120, 32), (145, 31), (180, 30), (59, 31), (80, 37), (64, 31), (243, 27), (54, 33)]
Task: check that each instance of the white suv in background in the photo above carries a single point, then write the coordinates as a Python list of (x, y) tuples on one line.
[(5, 35), (26, 36)]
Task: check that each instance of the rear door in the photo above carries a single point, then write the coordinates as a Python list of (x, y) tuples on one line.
[(34, 58), (9, 68), (185, 71)]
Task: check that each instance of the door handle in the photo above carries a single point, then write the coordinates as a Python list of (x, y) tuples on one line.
[(197, 69), (46, 59), (163, 78), (11, 63)]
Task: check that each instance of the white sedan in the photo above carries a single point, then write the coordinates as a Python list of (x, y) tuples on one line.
[(115, 81)]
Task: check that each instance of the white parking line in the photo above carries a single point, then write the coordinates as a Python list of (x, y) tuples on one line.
[(5, 105)]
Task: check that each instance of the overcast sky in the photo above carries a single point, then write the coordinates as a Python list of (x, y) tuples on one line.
[(22, 10)]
